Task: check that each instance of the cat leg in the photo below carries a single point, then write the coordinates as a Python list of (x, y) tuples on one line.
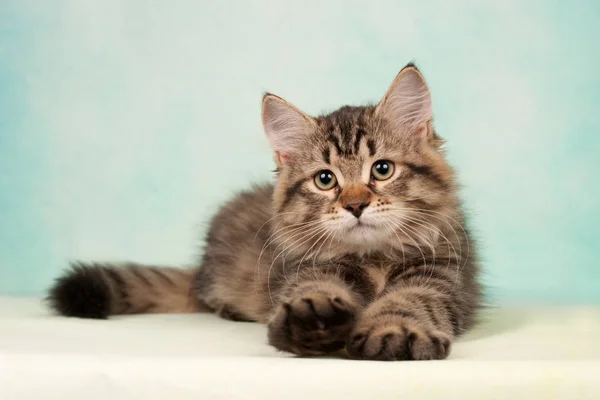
[(314, 317), (229, 312), (417, 319)]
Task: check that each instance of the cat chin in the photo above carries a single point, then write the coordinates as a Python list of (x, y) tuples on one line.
[(364, 237)]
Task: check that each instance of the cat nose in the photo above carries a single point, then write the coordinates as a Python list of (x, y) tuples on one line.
[(356, 208)]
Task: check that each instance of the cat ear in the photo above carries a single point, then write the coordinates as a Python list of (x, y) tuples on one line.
[(286, 126), (407, 103)]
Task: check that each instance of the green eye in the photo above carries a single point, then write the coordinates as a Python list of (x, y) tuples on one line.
[(382, 170), (325, 180)]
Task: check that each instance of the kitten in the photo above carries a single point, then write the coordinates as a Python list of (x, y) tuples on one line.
[(359, 244)]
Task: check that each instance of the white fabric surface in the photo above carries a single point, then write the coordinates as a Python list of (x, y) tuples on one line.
[(518, 354)]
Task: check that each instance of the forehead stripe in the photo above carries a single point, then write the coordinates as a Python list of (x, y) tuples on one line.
[(333, 139), (360, 133), (371, 145), (326, 155)]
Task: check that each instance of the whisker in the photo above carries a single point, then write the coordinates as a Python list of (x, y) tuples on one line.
[(397, 226), (290, 229), (297, 232), (307, 251), (421, 223), (270, 219), (431, 246), (446, 220), (312, 232), (391, 228)]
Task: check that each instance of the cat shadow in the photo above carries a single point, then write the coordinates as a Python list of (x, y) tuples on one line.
[(496, 321), (492, 322)]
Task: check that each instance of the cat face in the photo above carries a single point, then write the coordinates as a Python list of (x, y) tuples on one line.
[(360, 178)]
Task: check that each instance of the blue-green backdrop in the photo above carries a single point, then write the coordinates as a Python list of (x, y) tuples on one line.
[(124, 124)]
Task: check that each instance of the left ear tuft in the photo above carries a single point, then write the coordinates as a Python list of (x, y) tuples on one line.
[(407, 103), (286, 126)]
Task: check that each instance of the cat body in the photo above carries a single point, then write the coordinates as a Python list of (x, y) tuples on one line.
[(360, 243)]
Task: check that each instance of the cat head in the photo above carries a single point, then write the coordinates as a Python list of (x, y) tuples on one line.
[(360, 178)]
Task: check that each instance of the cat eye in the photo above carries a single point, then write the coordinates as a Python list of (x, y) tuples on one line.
[(382, 170), (325, 180)]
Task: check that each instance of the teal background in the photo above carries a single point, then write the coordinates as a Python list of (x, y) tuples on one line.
[(123, 125)]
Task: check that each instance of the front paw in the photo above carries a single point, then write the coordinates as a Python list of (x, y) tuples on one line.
[(389, 338), (313, 324)]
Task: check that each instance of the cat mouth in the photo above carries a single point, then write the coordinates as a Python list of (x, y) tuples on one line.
[(362, 225)]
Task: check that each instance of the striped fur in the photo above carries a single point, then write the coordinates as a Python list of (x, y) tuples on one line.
[(396, 281), (95, 290)]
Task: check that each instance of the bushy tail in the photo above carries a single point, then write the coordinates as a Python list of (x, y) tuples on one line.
[(97, 290)]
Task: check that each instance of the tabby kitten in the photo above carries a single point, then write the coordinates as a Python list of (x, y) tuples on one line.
[(359, 244)]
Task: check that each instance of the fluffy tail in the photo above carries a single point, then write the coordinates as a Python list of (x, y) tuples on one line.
[(100, 290)]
